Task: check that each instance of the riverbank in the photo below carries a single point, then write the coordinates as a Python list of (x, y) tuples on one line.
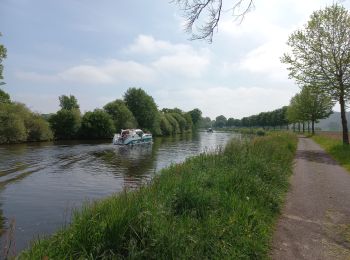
[(335, 148), (211, 206)]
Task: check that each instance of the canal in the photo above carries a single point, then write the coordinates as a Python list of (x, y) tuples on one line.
[(41, 183)]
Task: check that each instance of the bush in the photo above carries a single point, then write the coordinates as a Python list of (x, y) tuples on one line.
[(65, 123), (18, 124), (12, 128), (165, 126), (175, 128), (121, 115), (38, 129), (97, 124)]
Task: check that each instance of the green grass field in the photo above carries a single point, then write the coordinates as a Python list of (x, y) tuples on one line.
[(335, 148), (212, 206)]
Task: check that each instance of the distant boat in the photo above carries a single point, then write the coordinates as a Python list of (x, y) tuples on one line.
[(210, 130), (132, 137)]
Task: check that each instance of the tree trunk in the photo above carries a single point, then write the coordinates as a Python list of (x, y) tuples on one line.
[(313, 127), (299, 127), (344, 121), (308, 126), (303, 127)]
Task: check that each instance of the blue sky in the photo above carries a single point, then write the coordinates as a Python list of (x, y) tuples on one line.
[(96, 50)]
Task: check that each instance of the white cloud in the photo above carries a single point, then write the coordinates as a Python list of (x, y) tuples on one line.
[(182, 64), (147, 44), (265, 59), (180, 60)]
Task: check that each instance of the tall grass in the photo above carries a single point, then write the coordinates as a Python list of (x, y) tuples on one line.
[(221, 206), (335, 148)]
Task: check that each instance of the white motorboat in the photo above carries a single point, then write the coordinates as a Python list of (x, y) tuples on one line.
[(131, 137)]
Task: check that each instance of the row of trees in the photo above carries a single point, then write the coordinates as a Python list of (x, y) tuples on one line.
[(309, 105), (136, 109), (273, 119)]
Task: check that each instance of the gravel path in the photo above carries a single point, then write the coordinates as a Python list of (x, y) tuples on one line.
[(315, 221)]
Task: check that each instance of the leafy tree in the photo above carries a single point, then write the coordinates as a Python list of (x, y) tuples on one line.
[(3, 55), (203, 28), (65, 123), (68, 102), (165, 125), (196, 116), (97, 124), (220, 121), (4, 97), (38, 129), (19, 124), (310, 105), (174, 124), (181, 121), (189, 122), (12, 127), (205, 122), (121, 115), (320, 56), (143, 108)]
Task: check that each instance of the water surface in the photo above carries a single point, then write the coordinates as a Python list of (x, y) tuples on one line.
[(40, 183)]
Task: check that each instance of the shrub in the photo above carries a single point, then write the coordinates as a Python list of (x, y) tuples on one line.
[(97, 124)]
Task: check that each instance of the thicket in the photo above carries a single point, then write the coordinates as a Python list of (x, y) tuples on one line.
[(213, 206), (19, 124)]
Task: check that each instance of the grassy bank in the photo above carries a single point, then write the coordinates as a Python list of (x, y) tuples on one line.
[(221, 205), (335, 148)]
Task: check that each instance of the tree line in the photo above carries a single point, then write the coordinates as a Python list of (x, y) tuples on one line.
[(136, 109), (266, 120)]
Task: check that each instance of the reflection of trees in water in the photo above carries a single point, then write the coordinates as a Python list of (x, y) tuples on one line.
[(136, 164), (133, 163)]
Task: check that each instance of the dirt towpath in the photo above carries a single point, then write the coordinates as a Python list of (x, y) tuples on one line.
[(315, 221)]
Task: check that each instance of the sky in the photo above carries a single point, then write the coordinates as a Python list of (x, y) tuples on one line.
[(96, 50)]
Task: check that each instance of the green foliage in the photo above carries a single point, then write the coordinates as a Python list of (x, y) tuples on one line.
[(19, 124), (3, 55), (336, 149), (97, 124), (310, 104), (220, 121), (121, 115), (12, 127), (65, 123), (181, 121), (205, 122), (4, 97), (38, 129), (68, 102), (174, 124), (165, 125), (189, 122), (233, 122), (273, 118), (175, 121), (320, 56), (213, 206), (196, 116), (143, 108)]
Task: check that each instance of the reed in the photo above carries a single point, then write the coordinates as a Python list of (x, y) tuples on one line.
[(220, 205)]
